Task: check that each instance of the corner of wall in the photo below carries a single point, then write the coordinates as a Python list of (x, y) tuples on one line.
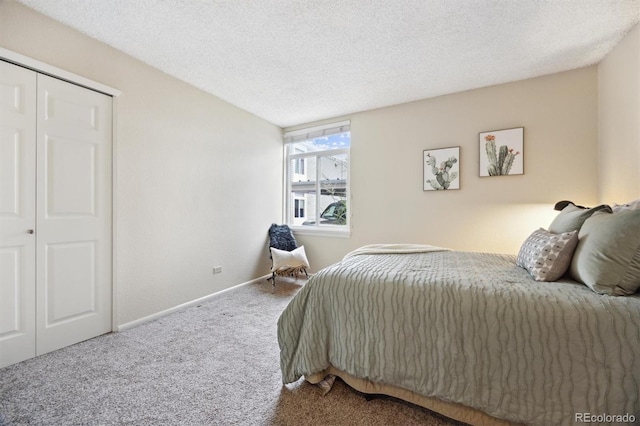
[(619, 121)]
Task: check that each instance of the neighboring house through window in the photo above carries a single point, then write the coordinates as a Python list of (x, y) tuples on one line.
[(298, 208), (317, 181)]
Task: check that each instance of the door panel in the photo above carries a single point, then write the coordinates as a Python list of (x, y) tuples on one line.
[(10, 309), (17, 213), (71, 173), (71, 275), (10, 171), (74, 214), (69, 113)]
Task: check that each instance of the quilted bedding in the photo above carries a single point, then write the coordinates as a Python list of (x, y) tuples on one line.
[(470, 328)]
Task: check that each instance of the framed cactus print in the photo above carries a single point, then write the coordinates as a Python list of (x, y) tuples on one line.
[(441, 169), (502, 152)]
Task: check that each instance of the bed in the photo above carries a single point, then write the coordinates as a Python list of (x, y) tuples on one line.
[(470, 335)]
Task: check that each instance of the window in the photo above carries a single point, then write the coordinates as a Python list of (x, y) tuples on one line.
[(298, 207), (317, 181)]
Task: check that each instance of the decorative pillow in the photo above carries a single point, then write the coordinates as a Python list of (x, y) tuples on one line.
[(283, 259), (631, 205), (572, 217), (607, 258), (547, 256)]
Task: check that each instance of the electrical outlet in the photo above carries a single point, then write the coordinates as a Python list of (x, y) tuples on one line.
[(217, 269)]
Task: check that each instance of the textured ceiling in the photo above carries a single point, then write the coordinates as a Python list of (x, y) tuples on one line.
[(293, 61)]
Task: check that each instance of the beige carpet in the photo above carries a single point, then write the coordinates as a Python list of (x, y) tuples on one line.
[(214, 364)]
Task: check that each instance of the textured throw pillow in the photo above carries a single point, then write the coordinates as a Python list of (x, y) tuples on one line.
[(607, 258), (571, 218), (283, 259), (547, 256)]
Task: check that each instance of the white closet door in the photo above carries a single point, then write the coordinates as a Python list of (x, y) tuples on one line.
[(74, 214), (17, 213)]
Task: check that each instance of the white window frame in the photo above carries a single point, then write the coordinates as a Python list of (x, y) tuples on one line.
[(302, 135)]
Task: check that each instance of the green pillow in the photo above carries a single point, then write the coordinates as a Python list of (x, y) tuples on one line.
[(571, 218), (607, 257)]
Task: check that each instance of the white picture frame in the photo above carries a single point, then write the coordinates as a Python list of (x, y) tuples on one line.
[(502, 152), (441, 169)]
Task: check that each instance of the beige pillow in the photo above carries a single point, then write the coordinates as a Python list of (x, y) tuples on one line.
[(571, 218), (607, 258), (283, 259), (547, 256)]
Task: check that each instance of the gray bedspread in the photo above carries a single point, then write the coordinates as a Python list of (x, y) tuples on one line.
[(471, 328)]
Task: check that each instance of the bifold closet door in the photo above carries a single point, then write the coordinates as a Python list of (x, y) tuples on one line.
[(73, 219), (17, 213), (55, 213)]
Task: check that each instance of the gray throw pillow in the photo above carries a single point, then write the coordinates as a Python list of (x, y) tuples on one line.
[(571, 218), (547, 256), (607, 258)]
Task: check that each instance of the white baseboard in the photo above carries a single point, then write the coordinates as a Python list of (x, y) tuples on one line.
[(160, 314)]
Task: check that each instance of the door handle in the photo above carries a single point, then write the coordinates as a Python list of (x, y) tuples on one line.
[(30, 231)]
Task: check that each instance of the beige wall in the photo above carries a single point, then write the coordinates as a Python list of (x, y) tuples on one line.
[(495, 214), (619, 121), (198, 180)]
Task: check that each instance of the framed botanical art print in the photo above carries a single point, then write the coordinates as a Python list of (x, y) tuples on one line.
[(441, 169), (502, 152)]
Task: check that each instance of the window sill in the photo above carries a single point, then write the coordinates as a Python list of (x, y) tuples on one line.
[(324, 231)]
